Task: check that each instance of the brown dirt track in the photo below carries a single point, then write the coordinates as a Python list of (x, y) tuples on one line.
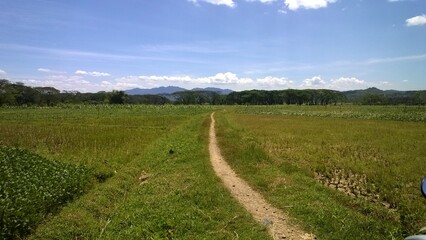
[(274, 219)]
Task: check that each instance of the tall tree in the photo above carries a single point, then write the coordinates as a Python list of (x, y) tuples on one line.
[(118, 97)]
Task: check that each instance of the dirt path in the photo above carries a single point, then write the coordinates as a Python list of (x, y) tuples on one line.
[(274, 219)]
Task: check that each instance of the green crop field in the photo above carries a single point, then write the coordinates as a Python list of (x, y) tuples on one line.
[(150, 168), (343, 172), (32, 187), (143, 172)]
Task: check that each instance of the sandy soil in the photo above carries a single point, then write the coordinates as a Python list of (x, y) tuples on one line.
[(274, 219)]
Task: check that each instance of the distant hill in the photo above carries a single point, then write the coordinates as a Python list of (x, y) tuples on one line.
[(154, 91), (171, 90), (385, 96), (211, 89), (366, 96)]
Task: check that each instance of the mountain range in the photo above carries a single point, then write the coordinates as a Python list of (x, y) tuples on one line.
[(368, 96), (356, 95), (173, 89)]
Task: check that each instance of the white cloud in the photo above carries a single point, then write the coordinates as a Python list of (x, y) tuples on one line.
[(227, 79), (342, 83), (99, 74), (2, 72), (384, 83), (81, 72), (274, 82), (93, 74), (315, 82), (307, 4), (44, 70), (67, 83), (47, 70), (416, 21), (222, 80), (229, 3), (262, 1), (70, 82), (347, 83)]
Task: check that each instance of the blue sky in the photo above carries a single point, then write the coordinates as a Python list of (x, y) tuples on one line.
[(90, 46)]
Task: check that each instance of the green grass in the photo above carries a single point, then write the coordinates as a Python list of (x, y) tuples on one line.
[(281, 154), (101, 137), (181, 198)]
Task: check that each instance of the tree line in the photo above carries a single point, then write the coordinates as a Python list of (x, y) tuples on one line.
[(289, 96), (17, 94)]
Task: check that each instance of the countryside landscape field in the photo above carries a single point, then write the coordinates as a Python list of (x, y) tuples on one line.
[(340, 172), (212, 119)]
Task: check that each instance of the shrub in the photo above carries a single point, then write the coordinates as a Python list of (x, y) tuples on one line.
[(31, 187)]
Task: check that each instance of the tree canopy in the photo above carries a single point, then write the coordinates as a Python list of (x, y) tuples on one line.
[(17, 94)]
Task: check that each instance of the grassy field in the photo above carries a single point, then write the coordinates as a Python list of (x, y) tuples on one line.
[(87, 134), (342, 176), (154, 175), (396, 113), (341, 172)]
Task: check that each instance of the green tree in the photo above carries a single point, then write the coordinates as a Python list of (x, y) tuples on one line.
[(7, 93), (118, 97)]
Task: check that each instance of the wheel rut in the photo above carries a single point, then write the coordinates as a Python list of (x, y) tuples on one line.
[(274, 219)]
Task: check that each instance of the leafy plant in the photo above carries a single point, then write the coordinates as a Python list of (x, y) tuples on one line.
[(31, 187)]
